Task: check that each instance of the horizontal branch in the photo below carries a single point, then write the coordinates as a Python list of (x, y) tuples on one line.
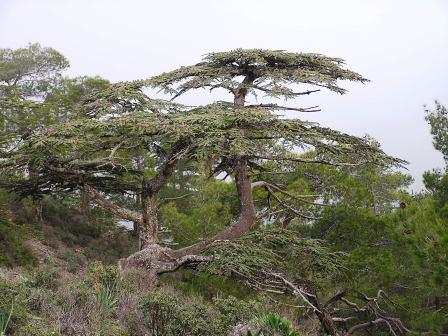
[(111, 206), (303, 160), (284, 192), (290, 208), (392, 323), (286, 108), (308, 92), (68, 171)]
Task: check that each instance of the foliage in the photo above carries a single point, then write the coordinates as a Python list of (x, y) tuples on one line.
[(273, 324), (4, 320), (333, 212), (13, 251), (165, 314), (32, 69), (438, 120), (274, 71), (204, 211), (273, 251)]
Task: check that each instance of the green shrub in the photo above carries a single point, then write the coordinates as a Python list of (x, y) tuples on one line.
[(5, 317), (44, 278), (167, 314), (13, 251), (14, 311)]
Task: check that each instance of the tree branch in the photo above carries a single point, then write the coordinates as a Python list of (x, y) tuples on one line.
[(286, 108), (109, 205), (303, 160)]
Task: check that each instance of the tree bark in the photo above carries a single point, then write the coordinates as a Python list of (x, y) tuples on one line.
[(138, 205), (37, 200), (149, 225)]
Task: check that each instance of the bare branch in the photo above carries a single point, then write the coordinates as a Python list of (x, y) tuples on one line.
[(286, 108), (295, 211), (303, 160)]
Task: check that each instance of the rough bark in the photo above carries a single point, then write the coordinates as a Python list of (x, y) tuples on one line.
[(148, 226), (245, 220)]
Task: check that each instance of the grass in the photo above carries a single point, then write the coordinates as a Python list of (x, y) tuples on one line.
[(5, 317)]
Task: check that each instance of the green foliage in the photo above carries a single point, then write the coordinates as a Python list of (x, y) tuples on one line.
[(114, 137), (203, 213), (274, 324), (438, 120), (5, 317), (14, 311), (165, 314), (32, 70), (107, 297), (275, 71), (402, 252), (26, 74), (207, 285), (44, 278), (263, 253), (13, 251)]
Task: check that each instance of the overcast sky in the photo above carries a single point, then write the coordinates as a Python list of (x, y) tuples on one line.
[(400, 45)]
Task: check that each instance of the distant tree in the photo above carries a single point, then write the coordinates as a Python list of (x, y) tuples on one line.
[(33, 92), (35, 95), (27, 76), (438, 121)]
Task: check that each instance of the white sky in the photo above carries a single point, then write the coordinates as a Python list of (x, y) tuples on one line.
[(400, 45)]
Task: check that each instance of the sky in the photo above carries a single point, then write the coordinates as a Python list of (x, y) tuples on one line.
[(401, 46)]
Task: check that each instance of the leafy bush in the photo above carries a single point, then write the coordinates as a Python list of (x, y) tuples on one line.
[(5, 317), (165, 313), (12, 248)]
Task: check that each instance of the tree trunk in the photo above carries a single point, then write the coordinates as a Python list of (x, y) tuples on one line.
[(39, 203), (37, 200), (324, 316), (245, 221), (147, 232), (85, 201), (138, 205)]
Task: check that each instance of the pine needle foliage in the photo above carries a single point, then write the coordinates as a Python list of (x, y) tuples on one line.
[(273, 71), (261, 254)]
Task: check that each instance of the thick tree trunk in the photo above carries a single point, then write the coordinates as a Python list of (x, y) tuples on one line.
[(245, 221), (147, 232), (157, 259)]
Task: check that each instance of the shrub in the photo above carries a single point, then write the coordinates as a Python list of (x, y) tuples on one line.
[(13, 251)]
